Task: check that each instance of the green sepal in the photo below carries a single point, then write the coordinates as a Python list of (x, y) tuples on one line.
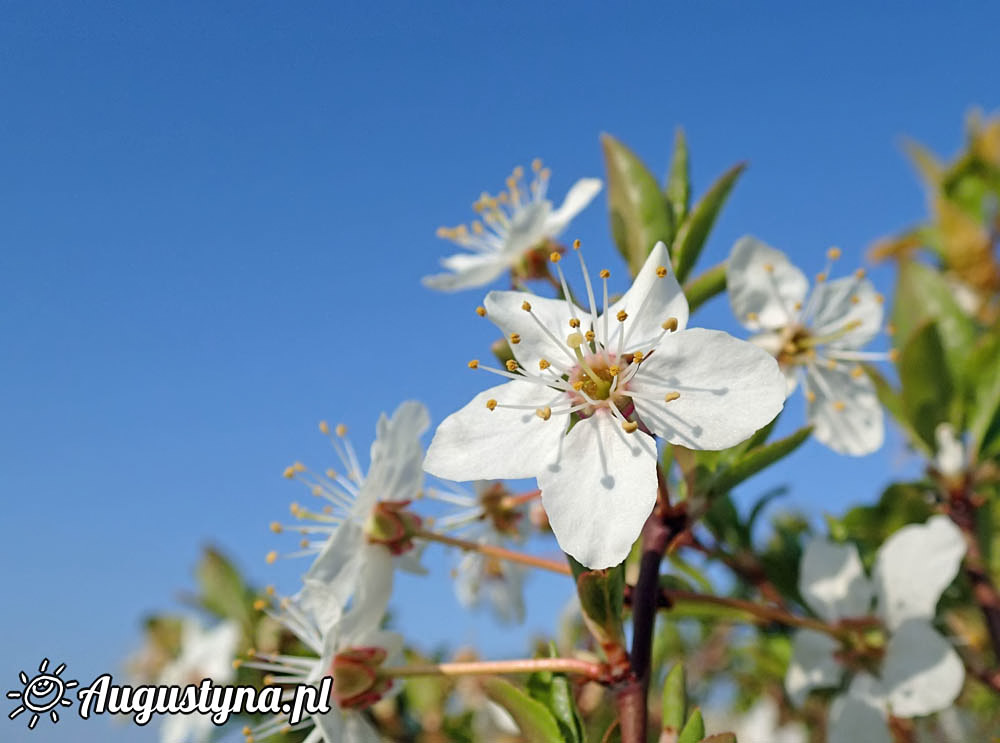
[(674, 702), (694, 729)]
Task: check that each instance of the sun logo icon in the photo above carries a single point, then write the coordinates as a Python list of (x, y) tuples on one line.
[(41, 694)]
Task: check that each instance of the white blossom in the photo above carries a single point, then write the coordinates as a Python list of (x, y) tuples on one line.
[(918, 672), (816, 339), (514, 230), (588, 392), (500, 583), (205, 654)]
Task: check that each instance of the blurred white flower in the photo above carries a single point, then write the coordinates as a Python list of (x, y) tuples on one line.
[(760, 724), (916, 672), (499, 582), (817, 340), (492, 511), (347, 645), (205, 654), (580, 412), (364, 514), (516, 229), (949, 459)]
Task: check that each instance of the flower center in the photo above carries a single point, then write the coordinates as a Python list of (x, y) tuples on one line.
[(357, 684)]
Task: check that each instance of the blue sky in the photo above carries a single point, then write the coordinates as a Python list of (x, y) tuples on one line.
[(214, 217)]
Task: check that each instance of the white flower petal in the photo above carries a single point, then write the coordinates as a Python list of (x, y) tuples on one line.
[(913, 568), (844, 411), (813, 665), (396, 455), (950, 457), (728, 389), (649, 303), (338, 564), (600, 491), (505, 310), (467, 270), (853, 720), (577, 199), (843, 301), (762, 298), (921, 671), (476, 443), (833, 581)]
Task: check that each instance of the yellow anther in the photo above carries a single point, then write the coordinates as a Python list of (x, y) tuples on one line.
[(638, 356), (670, 324), (481, 311), (331, 473), (341, 430), (574, 340), (237, 663), (671, 396), (285, 603), (893, 354), (661, 271), (622, 315), (317, 491), (289, 472), (260, 604), (443, 232), (515, 338), (752, 317), (251, 653), (578, 385), (574, 322), (478, 228), (249, 739), (327, 510), (839, 406), (296, 509), (855, 299), (298, 467), (511, 365), (769, 267), (831, 363), (543, 364), (536, 164), (526, 306), (474, 364), (502, 198), (811, 354), (324, 427), (544, 413), (246, 730), (576, 245), (890, 329), (554, 256), (269, 590), (821, 277), (268, 680), (879, 298), (630, 426), (857, 372), (614, 370), (276, 527), (810, 396), (797, 306), (589, 335), (853, 325), (544, 175), (518, 172), (833, 254), (605, 273), (304, 543), (272, 557), (860, 273), (491, 404)]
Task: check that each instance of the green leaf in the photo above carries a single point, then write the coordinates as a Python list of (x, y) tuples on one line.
[(602, 597), (223, 591), (640, 214), (922, 295), (757, 459), (694, 730), (984, 403), (536, 722), (693, 232), (674, 700), (554, 691), (678, 187), (705, 286), (927, 387), (892, 401)]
